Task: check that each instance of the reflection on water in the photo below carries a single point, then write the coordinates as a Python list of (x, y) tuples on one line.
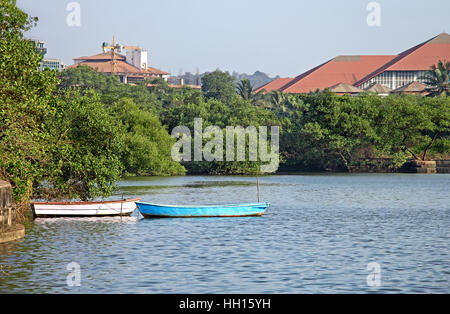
[(318, 236), (102, 220), (139, 190)]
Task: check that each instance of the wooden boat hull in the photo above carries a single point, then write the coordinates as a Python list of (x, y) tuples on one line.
[(84, 209), (149, 210)]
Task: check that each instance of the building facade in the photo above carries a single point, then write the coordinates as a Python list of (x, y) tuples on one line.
[(41, 47), (47, 63), (390, 71), (52, 64), (130, 68), (395, 79)]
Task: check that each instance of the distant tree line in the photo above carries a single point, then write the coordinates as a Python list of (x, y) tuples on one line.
[(75, 134), (319, 131)]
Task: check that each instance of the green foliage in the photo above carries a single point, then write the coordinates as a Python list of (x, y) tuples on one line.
[(325, 131), (109, 87), (76, 136), (338, 127), (148, 145), (245, 89), (73, 138), (86, 154), (13, 21), (219, 85), (26, 101), (319, 131), (237, 112), (438, 77), (84, 77)]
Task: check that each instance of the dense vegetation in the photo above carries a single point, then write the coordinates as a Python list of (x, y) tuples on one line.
[(67, 139), (319, 131), (74, 134)]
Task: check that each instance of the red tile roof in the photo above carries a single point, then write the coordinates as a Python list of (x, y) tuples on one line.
[(345, 69), (102, 62), (417, 58), (107, 67), (155, 71), (356, 70), (274, 85), (101, 56)]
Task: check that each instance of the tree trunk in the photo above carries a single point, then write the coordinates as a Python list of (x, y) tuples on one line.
[(429, 146), (345, 162), (405, 149)]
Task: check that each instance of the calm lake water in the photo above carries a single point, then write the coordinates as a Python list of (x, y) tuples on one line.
[(319, 236)]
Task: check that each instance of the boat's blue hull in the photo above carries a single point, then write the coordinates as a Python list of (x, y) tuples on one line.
[(167, 211)]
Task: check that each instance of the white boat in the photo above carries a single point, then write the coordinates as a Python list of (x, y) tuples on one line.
[(82, 209)]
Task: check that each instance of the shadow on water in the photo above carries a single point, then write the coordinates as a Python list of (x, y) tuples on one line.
[(131, 189)]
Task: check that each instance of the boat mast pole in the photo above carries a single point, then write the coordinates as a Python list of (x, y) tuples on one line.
[(257, 185), (121, 204)]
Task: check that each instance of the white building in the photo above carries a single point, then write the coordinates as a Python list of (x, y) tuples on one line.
[(138, 58)]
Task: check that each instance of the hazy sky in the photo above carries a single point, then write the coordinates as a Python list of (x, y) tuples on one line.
[(279, 37)]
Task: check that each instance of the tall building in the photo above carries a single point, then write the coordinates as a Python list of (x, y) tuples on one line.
[(391, 71)]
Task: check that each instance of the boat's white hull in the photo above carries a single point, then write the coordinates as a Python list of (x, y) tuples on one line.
[(80, 209)]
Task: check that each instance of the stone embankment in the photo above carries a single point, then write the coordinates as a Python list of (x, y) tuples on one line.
[(432, 166), (9, 230)]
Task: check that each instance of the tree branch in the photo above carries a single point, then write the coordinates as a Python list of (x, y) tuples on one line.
[(430, 145)]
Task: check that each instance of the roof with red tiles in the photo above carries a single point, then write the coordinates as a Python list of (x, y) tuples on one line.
[(102, 62), (417, 58), (107, 67), (155, 71), (345, 69), (274, 85), (101, 56)]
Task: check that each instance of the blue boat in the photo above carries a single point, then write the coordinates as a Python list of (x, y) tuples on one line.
[(149, 210)]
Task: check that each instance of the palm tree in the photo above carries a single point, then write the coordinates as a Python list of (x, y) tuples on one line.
[(245, 89), (438, 78), (277, 98)]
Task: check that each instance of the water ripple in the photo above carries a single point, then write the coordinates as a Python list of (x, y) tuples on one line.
[(318, 237)]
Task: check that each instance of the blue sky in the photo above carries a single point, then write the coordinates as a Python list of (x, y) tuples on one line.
[(282, 37)]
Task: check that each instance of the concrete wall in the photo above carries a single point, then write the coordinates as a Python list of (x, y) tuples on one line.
[(5, 199), (443, 166), (15, 231), (417, 166), (433, 166), (5, 195)]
